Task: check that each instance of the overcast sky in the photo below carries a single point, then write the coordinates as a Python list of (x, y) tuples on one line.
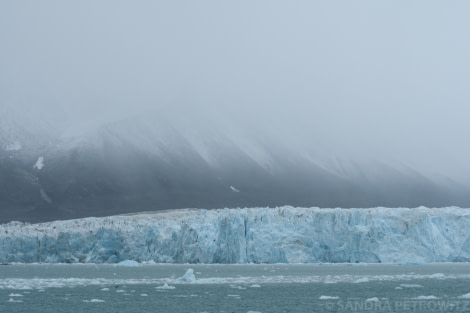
[(385, 78)]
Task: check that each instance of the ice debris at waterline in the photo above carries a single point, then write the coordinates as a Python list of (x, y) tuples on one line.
[(252, 235), (129, 263)]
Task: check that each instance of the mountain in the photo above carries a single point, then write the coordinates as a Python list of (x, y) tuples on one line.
[(254, 235), (176, 159)]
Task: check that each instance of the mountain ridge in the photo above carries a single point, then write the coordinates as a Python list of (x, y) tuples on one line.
[(170, 160)]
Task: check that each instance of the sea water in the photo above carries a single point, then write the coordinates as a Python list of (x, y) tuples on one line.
[(235, 288)]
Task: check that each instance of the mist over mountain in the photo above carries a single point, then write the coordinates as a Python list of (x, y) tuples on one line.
[(166, 159), (112, 107)]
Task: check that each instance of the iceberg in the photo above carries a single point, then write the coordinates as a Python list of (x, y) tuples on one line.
[(188, 276), (250, 235)]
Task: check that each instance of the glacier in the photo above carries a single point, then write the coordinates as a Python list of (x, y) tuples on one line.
[(249, 235)]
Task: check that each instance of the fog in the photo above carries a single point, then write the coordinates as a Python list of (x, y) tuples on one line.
[(381, 79)]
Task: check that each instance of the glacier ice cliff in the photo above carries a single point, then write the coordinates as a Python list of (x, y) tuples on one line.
[(251, 235)]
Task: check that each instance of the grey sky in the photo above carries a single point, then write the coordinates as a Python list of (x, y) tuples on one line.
[(382, 78)]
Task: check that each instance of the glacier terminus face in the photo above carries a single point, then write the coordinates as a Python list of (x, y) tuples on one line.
[(250, 235)]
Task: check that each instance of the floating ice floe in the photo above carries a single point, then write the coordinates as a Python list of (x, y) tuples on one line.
[(426, 298), (94, 301), (411, 286), (438, 275), (465, 296), (165, 286), (374, 299), (188, 276), (328, 298), (362, 280), (15, 284)]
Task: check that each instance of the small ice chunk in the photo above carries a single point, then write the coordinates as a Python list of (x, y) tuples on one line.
[(151, 262), (104, 289), (426, 298), (94, 301), (438, 275), (465, 296), (410, 286), (374, 299), (165, 286), (362, 280), (144, 295), (255, 286), (12, 300), (328, 298), (129, 263), (188, 276), (15, 295), (39, 163)]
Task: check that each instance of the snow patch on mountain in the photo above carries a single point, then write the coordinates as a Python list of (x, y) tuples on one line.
[(234, 189), (14, 146), (39, 163)]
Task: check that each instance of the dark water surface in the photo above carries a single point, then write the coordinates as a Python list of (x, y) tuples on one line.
[(236, 288)]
